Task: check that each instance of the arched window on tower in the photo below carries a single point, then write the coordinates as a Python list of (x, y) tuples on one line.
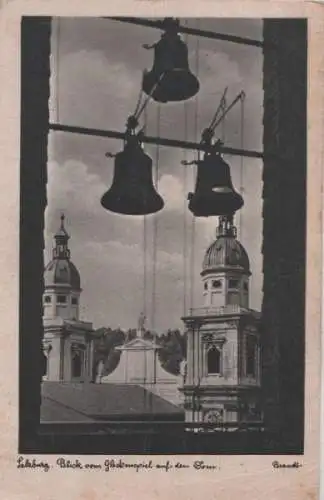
[(251, 347), (233, 296), (44, 364), (45, 360), (214, 361), (77, 359)]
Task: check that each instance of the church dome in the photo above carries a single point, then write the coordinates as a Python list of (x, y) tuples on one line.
[(226, 251), (61, 271)]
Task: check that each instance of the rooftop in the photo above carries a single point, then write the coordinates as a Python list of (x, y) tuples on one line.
[(87, 402)]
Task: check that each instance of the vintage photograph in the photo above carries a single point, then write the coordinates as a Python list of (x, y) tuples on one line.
[(162, 235)]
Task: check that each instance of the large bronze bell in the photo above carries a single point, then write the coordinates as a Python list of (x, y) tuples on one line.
[(214, 193), (132, 191), (170, 78)]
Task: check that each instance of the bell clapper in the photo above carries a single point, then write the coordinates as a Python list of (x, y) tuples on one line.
[(185, 162), (148, 47)]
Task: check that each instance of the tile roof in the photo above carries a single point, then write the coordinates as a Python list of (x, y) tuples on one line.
[(78, 402)]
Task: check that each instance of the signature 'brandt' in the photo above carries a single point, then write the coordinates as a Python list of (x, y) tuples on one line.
[(278, 465)]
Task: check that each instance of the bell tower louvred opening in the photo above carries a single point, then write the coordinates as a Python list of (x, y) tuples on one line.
[(61, 250)]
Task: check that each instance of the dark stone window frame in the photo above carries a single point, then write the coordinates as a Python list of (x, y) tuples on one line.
[(211, 362), (62, 299), (77, 363), (251, 356), (234, 284), (217, 284), (282, 326)]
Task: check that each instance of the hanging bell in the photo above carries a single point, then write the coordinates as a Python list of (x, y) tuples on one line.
[(132, 191), (214, 193), (170, 78)]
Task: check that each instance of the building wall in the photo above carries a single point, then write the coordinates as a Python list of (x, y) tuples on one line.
[(284, 226), (35, 73)]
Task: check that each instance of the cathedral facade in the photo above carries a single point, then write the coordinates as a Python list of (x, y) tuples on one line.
[(220, 379)]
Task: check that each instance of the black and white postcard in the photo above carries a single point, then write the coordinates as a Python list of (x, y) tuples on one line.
[(161, 237)]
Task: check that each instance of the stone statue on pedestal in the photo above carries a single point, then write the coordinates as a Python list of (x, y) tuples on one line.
[(141, 325), (100, 369), (183, 369)]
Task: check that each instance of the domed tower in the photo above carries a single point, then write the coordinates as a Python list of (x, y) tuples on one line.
[(61, 280), (226, 269), (223, 375), (68, 341)]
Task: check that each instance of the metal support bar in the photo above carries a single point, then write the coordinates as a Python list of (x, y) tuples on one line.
[(192, 31), (173, 143)]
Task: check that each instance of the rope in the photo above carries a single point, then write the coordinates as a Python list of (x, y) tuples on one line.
[(221, 108), (185, 211), (185, 208), (241, 165), (144, 263), (223, 122), (145, 121), (155, 221), (144, 241), (57, 91), (193, 224), (138, 103), (138, 110)]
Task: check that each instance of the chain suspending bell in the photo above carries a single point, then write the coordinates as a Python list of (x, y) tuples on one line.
[(214, 192), (170, 73), (132, 191)]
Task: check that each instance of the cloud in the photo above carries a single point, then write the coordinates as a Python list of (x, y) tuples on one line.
[(67, 184), (97, 85), (112, 276), (73, 189), (172, 191), (89, 90), (121, 255)]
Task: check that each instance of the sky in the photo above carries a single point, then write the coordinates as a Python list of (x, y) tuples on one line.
[(96, 72)]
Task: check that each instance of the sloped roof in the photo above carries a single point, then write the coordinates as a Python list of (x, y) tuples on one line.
[(62, 272), (226, 251), (55, 411), (102, 402)]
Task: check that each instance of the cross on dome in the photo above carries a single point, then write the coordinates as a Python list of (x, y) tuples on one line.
[(226, 226), (60, 270), (61, 249)]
